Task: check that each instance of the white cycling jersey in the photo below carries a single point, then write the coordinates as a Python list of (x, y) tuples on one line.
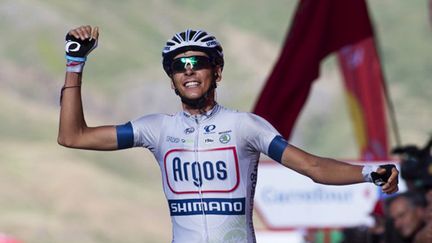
[(209, 168)]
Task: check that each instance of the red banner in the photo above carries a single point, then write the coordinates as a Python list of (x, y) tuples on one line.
[(364, 81), (318, 28)]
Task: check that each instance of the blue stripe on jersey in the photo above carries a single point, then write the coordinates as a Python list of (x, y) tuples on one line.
[(125, 136), (276, 148), (214, 206)]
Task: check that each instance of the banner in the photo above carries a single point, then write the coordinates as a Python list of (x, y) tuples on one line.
[(364, 85), (295, 201), (318, 28)]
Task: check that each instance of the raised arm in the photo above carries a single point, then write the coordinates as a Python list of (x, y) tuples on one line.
[(334, 172), (73, 130)]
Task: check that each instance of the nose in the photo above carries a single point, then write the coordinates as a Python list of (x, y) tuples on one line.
[(189, 70)]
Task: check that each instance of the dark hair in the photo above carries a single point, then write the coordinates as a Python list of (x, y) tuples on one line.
[(414, 198)]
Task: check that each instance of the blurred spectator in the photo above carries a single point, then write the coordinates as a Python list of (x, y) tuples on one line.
[(407, 211), (416, 170), (428, 196), (425, 234)]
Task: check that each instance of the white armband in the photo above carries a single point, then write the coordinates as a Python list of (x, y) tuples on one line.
[(367, 170)]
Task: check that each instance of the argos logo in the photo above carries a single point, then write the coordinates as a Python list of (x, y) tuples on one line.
[(216, 171), (207, 170)]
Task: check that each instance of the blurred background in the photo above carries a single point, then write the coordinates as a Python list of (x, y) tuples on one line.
[(52, 194)]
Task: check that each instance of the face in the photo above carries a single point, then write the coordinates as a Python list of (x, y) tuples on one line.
[(190, 82), (406, 217)]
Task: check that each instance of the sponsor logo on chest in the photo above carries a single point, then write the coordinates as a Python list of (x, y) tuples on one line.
[(209, 137), (213, 170)]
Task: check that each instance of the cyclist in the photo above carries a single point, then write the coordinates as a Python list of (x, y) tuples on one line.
[(208, 154)]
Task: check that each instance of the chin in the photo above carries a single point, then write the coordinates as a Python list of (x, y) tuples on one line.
[(193, 96)]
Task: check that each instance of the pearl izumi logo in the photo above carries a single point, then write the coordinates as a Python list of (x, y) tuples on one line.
[(72, 46), (217, 170), (209, 128)]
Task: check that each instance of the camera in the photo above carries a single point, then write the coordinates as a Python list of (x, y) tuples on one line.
[(416, 164)]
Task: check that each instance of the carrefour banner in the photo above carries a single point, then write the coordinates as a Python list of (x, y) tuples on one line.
[(285, 199)]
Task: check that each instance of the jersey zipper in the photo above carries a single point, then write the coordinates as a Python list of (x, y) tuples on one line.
[(197, 159)]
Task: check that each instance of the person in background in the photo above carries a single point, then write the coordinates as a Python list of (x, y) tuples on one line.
[(407, 212), (416, 170), (425, 234)]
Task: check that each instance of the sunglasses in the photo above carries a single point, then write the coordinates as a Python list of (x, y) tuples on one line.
[(194, 62)]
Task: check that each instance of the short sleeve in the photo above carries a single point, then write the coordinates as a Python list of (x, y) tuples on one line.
[(262, 136), (142, 132)]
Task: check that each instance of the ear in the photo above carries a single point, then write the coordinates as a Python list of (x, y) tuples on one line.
[(172, 82), (217, 72)]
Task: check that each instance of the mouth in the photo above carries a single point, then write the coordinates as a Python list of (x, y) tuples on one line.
[(191, 84)]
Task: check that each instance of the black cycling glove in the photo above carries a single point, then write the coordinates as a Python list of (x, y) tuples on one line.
[(370, 173), (77, 51), (381, 179)]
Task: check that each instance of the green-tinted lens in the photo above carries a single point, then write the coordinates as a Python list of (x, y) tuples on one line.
[(194, 62)]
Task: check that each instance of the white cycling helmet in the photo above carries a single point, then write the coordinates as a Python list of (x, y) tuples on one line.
[(192, 40)]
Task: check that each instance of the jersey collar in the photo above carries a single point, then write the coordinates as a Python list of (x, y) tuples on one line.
[(204, 116)]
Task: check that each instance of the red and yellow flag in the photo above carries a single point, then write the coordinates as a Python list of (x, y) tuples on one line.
[(364, 81), (318, 29)]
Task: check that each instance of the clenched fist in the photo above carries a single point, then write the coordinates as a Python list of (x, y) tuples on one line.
[(80, 42)]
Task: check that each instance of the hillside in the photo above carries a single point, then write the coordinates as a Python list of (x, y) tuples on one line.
[(51, 194)]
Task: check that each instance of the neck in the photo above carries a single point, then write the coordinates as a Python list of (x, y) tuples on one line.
[(208, 104)]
